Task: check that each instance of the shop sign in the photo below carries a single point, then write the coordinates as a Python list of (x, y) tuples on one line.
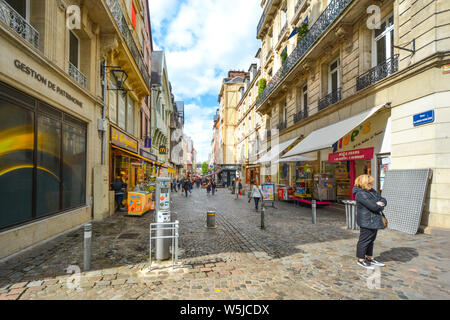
[(40, 78), (122, 140), (162, 150), (423, 118), (148, 155), (360, 154), (446, 69)]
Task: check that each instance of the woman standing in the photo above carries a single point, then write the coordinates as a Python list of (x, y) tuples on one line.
[(256, 194), (208, 187), (370, 206)]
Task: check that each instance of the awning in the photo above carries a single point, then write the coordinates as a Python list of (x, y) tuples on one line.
[(274, 153), (295, 159), (325, 137)]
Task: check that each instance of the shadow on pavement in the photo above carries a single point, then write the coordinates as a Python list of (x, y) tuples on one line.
[(402, 254)]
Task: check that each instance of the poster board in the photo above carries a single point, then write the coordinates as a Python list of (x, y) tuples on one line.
[(268, 191)]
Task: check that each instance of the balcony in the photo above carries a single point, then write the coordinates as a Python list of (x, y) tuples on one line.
[(77, 75), (269, 54), (377, 73), (263, 16), (298, 5), (325, 20), (330, 99), (281, 126), (299, 116), (16, 22), (283, 30), (119, 18)]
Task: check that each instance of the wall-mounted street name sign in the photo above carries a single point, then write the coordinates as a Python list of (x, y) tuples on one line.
[(423, 118), (40, 78)]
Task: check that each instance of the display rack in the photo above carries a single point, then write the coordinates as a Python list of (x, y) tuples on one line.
[(343, 191), (305, 182)]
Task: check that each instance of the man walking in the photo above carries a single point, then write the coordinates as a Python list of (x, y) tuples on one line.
[(213, 186), (118, 186)]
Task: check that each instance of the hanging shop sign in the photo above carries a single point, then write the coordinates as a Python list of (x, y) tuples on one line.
[(44, 81), (423, 118), (162, 150), (122, 140), (360, 154)]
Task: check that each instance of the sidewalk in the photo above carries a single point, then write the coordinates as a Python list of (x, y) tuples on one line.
[(290, 259)]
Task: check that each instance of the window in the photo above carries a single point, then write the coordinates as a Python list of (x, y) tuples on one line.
[(333, 76), (383, 41), (133, 16), (283, 16), (74, 50), (112, 103), (43, 168), (140, 124), (130, 116), (122, 110), (22, 7), (304, 105)]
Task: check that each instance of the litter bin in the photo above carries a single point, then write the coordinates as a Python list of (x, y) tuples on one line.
[(211, 219), (350, 215)]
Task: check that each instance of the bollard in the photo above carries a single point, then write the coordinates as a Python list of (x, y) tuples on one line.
[(177, 225), (263, 211), (87, 246), (211, 219), (314, 211)]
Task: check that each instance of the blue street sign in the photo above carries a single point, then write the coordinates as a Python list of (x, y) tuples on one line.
[(424, 117)]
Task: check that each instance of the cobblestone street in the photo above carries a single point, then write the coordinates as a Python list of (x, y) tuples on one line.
[(290, 259)]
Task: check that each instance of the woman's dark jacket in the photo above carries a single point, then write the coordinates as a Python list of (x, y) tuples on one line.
[(368, 212)]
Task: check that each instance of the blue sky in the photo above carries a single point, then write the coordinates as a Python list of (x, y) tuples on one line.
[(202, 40)]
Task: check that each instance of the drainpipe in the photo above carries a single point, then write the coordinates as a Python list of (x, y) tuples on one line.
[(104, 114)]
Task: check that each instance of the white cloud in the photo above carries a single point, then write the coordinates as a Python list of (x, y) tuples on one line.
[(203, 39)]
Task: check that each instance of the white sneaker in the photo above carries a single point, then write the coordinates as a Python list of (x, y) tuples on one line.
[(374, 262)]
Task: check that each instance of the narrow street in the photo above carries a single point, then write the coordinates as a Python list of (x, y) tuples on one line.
[(290, 259)]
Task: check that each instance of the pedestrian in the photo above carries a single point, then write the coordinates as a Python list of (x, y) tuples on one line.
[(233, 186), (239, 188), (186, 187), (174, 182), (208, 187), (370, 206), (213, 186), (191, 185), (119, 187), (256, 195)]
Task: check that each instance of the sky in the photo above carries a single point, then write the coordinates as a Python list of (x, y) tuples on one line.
[(203, 40)]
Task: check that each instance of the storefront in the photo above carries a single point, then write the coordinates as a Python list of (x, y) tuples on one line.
[(252, 174), (349, 148)]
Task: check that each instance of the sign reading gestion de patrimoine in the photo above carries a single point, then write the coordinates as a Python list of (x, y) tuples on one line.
[(40, 78)]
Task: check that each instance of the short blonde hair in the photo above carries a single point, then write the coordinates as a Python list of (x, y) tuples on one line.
[(363, 181)]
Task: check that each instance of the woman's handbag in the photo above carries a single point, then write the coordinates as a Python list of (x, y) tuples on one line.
[(385, 221)]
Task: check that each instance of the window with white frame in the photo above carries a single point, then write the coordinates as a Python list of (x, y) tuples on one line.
[(74, 50), (22, 7), (383, 41), (304, 99), (333, 76)]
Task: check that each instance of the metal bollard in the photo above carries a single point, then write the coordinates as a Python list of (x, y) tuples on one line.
[(177, 225), (87, 246), (263, 211), (314, 211), (347, 214), (211, 219)]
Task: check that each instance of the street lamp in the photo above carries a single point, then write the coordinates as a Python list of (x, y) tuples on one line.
[(120, 75)]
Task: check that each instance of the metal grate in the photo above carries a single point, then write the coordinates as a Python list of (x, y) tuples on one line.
[(405, 192)]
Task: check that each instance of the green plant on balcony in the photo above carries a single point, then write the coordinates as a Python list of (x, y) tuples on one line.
[(302, 31), (284, 56), (261, 86)]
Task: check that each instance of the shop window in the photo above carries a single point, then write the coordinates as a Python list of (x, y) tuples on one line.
[(16, 163), (74, 166), (74, 50), (49, 165), (383, 41)]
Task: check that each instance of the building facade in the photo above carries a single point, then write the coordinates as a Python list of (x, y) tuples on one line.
[(361, 71)]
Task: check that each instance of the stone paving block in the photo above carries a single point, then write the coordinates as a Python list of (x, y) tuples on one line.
[(18, 285), (35, 284), (102, 283)]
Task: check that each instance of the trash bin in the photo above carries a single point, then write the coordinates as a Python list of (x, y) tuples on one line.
[(350, 215), (211, 219)]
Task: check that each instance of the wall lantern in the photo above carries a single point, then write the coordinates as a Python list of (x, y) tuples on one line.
[(120, 75)]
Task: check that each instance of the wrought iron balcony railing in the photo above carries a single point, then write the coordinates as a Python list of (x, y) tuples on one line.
[(377, 73), (298, 5), (282, 125), (330, 99), (263, 16), (77, 75), (328, 16), (299, 116), (119, 18), (18, 23)]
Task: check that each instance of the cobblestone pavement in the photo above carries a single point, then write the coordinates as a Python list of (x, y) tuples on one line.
[(290, 259)]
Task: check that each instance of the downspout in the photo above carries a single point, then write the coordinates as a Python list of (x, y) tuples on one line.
[(104, 114)]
